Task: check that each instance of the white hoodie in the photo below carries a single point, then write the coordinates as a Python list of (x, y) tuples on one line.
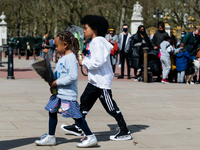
[(100, 72)]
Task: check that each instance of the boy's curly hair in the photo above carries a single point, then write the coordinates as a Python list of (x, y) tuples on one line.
[(98, 23)]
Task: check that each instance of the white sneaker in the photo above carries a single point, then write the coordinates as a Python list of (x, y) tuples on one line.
[(119, 65), (88, 141), (46, 140), (121, 136)]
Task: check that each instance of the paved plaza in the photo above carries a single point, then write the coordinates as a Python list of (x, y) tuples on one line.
[(160, 116)]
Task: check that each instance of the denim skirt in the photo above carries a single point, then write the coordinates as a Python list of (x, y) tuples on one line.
[(68, 109)]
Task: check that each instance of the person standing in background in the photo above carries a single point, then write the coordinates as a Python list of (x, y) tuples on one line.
[(45, 42), (113, 39), (159, 38), (192, 42), (28, 50), (159, 35), (122, 44), (137, 42), (51, 50)]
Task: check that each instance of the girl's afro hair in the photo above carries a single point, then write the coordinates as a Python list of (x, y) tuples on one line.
[(98, 23)]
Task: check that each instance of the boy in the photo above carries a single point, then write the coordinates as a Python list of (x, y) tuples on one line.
[(165, 49), (100, 76), (182, 57)]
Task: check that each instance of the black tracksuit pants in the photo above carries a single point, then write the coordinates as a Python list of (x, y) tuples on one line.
[(89, 97)]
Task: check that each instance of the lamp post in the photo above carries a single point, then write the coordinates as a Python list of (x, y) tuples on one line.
[(158, 14)]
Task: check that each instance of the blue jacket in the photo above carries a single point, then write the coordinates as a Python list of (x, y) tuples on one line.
[(182, 59)]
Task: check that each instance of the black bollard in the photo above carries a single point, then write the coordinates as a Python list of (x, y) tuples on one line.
[(10, 60)]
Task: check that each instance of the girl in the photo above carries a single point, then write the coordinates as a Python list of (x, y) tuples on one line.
[(66, 75)]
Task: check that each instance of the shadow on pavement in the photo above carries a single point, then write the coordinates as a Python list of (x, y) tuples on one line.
[(101, 136), (104, 136), (10, 144)]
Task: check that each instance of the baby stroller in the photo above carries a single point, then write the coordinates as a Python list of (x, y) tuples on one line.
[(154, 63), (154, 66)]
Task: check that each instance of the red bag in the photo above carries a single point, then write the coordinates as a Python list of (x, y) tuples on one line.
[(115, 49)]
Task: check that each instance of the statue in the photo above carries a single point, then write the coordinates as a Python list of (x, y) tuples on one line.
[(3, 17), (136, 18), (137, 10)]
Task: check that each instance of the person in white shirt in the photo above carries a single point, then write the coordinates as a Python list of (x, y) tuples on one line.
[(100, 76)]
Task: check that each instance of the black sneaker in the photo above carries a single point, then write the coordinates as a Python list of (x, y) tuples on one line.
[(74, 129), (121, 136), (120, 77), (129, 77)]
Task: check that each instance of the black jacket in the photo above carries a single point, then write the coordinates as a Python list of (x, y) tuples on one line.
[(136, 49), (158, 38)]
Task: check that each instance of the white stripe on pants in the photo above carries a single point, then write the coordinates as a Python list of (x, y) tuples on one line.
[(108, 100), (180, 76), (166, 66)]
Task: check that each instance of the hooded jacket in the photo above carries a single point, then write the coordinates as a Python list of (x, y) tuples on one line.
[(182, 57), (100, 72)]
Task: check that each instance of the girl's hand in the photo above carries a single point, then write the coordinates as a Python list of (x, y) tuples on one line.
[(53, 84), (51, 90)]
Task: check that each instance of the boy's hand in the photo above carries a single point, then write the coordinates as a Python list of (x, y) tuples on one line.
[(80, 61)]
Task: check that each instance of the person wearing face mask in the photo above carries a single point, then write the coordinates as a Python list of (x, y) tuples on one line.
[(183, 33), (122, 44), (159, 35), (137, 42), (192, 43)]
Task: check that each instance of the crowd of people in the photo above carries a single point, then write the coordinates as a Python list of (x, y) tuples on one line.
[(173, 61)]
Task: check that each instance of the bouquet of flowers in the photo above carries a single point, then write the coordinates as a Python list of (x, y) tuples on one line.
[(44, 69)]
